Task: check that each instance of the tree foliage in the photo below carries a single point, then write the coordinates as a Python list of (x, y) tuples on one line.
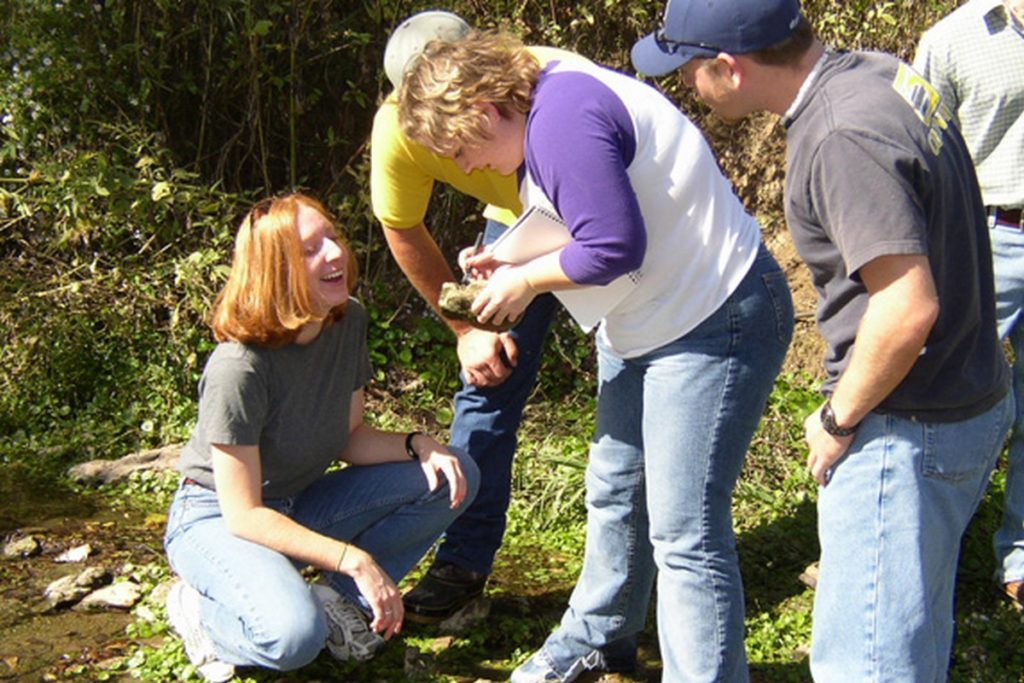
[(133, 133)]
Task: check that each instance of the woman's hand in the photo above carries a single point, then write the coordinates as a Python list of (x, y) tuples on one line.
[(437, 460), (480, 264), (506, 296), (379, 590)]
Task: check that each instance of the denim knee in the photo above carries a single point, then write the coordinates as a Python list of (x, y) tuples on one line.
[(472, 473), (295, 638)]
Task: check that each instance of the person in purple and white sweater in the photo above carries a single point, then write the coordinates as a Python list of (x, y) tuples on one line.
[(686, 360)]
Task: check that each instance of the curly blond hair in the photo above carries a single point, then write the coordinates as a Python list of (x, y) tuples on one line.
[(440, 90)]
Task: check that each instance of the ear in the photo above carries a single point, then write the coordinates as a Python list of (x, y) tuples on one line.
[(730, 68), (490, 110)]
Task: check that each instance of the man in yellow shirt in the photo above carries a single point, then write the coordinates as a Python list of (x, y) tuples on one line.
[(498, 370)]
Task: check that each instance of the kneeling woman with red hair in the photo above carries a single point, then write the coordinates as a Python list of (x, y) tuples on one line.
[(280, 402)]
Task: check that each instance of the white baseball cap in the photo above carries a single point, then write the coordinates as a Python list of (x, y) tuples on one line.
[(413, 34)]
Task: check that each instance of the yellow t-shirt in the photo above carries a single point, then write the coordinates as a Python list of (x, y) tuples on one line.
[(403, 172)]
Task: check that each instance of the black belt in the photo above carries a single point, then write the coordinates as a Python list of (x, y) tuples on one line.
[(192, 482), (1009, 217)]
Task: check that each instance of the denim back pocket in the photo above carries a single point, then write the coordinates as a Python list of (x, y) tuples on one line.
[(958, 451)]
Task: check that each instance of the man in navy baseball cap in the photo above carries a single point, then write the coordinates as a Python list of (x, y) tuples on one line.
[(704, 28), (883, 205)]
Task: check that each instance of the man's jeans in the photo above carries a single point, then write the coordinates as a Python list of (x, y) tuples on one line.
[(485, 426), (1008, 259), (255, 604), (890, 523), (673, 428)]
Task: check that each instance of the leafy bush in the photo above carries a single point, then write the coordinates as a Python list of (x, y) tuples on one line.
[(134, 132)]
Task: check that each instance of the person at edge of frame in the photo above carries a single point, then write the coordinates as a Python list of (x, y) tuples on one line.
[(975, 59)]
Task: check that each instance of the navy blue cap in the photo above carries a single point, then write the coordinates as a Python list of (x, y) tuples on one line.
[(703, 28)]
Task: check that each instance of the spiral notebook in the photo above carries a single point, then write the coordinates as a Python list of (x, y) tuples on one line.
[(538, 232)]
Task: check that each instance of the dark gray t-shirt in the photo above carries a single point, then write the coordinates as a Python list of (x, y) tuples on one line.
[(877, 167), (292, 402)]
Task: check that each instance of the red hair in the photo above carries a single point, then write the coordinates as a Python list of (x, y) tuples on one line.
[(266, 300)]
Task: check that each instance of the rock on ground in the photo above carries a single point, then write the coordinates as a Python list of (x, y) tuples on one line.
[(107, 471)]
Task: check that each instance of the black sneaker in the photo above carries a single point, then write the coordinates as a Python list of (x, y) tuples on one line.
[(444, 590)]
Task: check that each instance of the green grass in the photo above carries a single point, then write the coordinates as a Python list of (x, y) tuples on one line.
[(536, 570)]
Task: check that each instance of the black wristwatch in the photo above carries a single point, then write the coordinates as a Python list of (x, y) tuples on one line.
[(408, 445), (828, 421)]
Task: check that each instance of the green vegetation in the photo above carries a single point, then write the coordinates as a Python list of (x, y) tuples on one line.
[(132, 135)]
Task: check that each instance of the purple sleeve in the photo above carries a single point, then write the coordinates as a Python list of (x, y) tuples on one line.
[(580, 141)]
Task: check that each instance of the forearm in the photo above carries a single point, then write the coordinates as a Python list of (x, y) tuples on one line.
[(271, 529), (881, 360), (890, 338), (545, 274), (902, 308), (419, 257), (237, 475), (371, 446)]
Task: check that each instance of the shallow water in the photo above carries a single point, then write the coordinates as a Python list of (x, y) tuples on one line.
[(34, 639)]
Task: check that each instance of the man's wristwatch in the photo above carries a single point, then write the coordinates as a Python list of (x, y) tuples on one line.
[(828, 421)]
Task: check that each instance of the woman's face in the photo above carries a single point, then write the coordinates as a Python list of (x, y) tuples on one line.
[(503, 152), (325, 259)]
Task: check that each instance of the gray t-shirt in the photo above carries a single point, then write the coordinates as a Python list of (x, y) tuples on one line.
[(877, 167), (293, 402)]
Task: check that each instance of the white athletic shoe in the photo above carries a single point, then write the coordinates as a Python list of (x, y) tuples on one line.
[(183, 613), (348, 634)]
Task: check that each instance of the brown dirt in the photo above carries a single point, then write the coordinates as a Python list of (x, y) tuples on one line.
[(752, 154)]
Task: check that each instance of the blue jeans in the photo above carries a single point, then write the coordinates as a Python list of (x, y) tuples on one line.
[(1008, 259), (256, 606), (673, 428), (485, 426), (890, 523)]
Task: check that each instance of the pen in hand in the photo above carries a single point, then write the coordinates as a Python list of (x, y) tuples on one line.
[(476, 250)]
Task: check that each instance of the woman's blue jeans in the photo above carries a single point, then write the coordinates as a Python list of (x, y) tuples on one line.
[(256, 606), (673, 428)]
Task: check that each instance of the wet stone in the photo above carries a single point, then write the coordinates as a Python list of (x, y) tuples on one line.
[(26, 546), (72, 588), (122, 595), (107, 471), (77, 554), (466, 618)]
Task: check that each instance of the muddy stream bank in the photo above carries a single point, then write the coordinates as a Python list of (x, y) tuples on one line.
[(37, 641)]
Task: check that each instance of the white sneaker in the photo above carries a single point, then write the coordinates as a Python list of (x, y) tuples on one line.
[(183, 613), (348, 634), (537, 669)]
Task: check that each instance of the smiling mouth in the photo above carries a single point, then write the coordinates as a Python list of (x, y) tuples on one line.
[(334, 277)]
